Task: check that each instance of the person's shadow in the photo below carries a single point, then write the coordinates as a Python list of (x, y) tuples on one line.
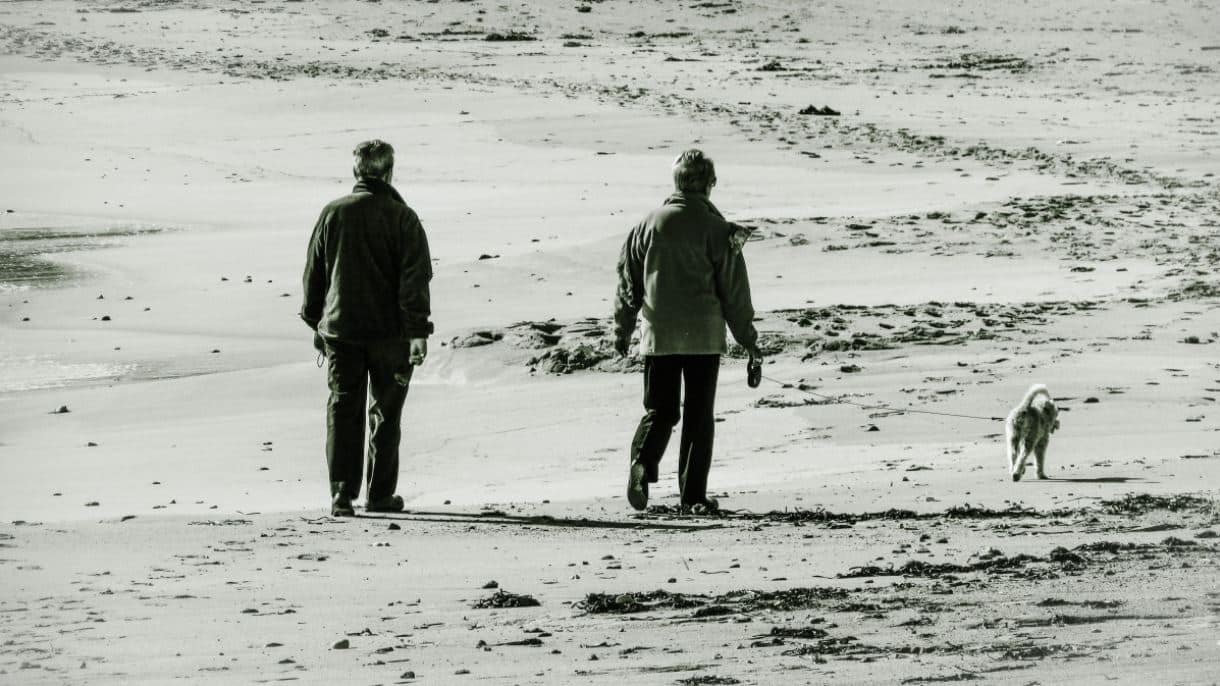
[(1098, 480), (499, 518)]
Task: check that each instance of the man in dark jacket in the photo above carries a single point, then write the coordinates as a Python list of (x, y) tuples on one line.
[(366, 298), (681, 268)]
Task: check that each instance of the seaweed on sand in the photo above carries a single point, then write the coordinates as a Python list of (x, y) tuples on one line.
[(502, 599), (630, 603)]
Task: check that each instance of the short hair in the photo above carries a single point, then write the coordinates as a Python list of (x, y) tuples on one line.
[(374, 158), (694, 173)]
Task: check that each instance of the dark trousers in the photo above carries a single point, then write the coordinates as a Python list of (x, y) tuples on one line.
[(361, 376), (663, 378)]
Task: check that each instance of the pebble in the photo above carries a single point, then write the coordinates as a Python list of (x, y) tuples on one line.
[(342, 644)]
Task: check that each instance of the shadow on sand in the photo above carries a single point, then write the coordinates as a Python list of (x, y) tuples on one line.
[(1101, 480), (501, 519)]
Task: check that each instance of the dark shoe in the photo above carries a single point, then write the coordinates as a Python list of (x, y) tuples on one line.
[(637, 486), (702, 508), (341, 506), (390, 503)]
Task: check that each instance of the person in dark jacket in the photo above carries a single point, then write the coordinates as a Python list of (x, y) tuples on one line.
[(681, 269), (367, 300)]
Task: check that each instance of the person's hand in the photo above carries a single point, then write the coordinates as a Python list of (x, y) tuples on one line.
[(419, 350), (754, 367), (755, 354), (739, 236), (622, 346)]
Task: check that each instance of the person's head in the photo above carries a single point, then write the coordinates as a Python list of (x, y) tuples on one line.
[(374, 160), (694, 173)]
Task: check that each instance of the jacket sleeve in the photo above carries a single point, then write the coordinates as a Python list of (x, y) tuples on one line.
[(316, 279), (733, 289), (415, 272), (630, 295)]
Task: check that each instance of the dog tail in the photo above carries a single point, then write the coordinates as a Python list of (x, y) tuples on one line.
[(1033, 392)]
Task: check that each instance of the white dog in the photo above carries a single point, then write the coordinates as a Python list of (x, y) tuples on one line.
[(1029, 428)]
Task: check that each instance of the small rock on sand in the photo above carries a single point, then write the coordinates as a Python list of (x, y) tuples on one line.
[(341, 644)]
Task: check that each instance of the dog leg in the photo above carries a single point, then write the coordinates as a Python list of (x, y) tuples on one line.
[(1011, 450), (1040, 455), (1016, 457)]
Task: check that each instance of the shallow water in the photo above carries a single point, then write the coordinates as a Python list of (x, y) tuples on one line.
[(29, 372), (27, 262), (24, 251)]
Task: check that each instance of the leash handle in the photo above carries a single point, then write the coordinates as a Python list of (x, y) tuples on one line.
[(754, 373)]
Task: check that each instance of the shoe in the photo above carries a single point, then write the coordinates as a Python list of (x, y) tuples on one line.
[(341, 506), (390, 503), (702, 508), (637, 486)]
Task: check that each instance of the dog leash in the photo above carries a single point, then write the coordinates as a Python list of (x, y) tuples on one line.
[(832, 399)]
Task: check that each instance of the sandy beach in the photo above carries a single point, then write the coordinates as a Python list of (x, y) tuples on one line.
[(951, 202)]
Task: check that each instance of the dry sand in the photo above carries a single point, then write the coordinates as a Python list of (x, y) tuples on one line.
[(1009, 194)]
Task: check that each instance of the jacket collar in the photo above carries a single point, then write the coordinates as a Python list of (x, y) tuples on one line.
[(377, 187), (693, 200)]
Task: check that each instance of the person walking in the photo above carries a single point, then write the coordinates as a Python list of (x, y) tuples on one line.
[(367, 300), (683, 271)]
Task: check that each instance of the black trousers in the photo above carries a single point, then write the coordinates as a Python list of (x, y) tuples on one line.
[(361, 379), (663, 378)]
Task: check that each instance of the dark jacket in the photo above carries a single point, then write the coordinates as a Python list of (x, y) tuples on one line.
[(368, 268), (679, 269)]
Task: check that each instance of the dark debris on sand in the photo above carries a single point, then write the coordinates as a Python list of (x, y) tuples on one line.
[(569, 347), (799, 516), (1143, 503), (509, 36), (1059, 561), (630, 603), (732, 602), (1133, 504), (706, 679), (503, 599), (980, 61)]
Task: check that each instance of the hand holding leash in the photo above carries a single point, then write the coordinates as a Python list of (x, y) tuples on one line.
[(754, 368), (419, 351), (622, 346)]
